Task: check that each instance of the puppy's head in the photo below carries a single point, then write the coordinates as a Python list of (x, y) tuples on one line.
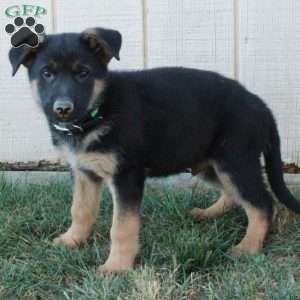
[(68, 71)]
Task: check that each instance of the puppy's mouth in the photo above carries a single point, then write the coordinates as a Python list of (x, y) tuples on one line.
[(61, 125), (64, 123), (91, 119)]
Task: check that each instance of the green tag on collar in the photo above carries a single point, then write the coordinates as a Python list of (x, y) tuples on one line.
[(94, 113)]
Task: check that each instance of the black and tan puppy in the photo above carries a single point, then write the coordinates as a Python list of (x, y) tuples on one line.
[(120, 127)]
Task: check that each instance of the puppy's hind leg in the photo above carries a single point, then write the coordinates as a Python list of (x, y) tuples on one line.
[(242, 178), (223, 204)]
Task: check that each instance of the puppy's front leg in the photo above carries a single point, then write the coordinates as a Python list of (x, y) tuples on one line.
[(127, 191), (84, 210)]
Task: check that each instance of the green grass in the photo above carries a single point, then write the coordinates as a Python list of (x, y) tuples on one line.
[(180, 258)]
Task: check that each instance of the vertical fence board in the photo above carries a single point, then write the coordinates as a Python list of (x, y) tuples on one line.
[(269, 44), (191, 33), (23, 132), (123, 15)]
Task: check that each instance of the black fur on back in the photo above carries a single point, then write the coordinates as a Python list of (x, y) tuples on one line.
[(165, 120)]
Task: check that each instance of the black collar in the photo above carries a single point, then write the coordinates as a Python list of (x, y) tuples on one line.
[(90, 120)]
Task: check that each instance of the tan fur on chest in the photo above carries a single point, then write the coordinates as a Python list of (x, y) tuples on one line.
[(102, 164)]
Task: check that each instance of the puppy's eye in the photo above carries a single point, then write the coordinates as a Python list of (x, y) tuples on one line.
[(82, 75), (47, 74)]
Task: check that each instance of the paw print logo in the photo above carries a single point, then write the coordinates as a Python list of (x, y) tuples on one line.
[(24, 33)]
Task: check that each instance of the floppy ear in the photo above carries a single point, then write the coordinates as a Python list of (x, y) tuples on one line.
[(105, 42), (21, 55)]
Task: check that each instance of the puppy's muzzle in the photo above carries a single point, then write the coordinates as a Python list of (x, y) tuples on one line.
[(63, 108)]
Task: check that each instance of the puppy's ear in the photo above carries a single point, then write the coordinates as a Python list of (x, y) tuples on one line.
[(22, 55), (105, 42)]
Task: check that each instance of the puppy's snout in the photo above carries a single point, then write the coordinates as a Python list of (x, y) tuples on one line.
[(63, 108)]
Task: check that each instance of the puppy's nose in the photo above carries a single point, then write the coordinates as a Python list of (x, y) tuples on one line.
[(63, 108)]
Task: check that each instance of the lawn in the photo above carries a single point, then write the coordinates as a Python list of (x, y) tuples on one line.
[(180, 258)]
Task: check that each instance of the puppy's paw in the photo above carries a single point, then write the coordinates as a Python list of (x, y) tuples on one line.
[(242, 250), (113, 267), (198, 213), (66, 240), (236, 251)]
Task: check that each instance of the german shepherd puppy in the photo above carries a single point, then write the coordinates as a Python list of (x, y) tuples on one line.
[(120, 127)]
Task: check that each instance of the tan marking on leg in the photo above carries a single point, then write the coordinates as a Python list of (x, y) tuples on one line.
[(258, 226), (223, 204), (227, 184), (258, 222), (84, 211), (124, 239)]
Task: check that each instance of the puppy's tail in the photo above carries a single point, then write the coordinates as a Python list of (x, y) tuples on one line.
[(275, 173)]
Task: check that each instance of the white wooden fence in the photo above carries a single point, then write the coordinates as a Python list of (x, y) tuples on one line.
[(254, 41)]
